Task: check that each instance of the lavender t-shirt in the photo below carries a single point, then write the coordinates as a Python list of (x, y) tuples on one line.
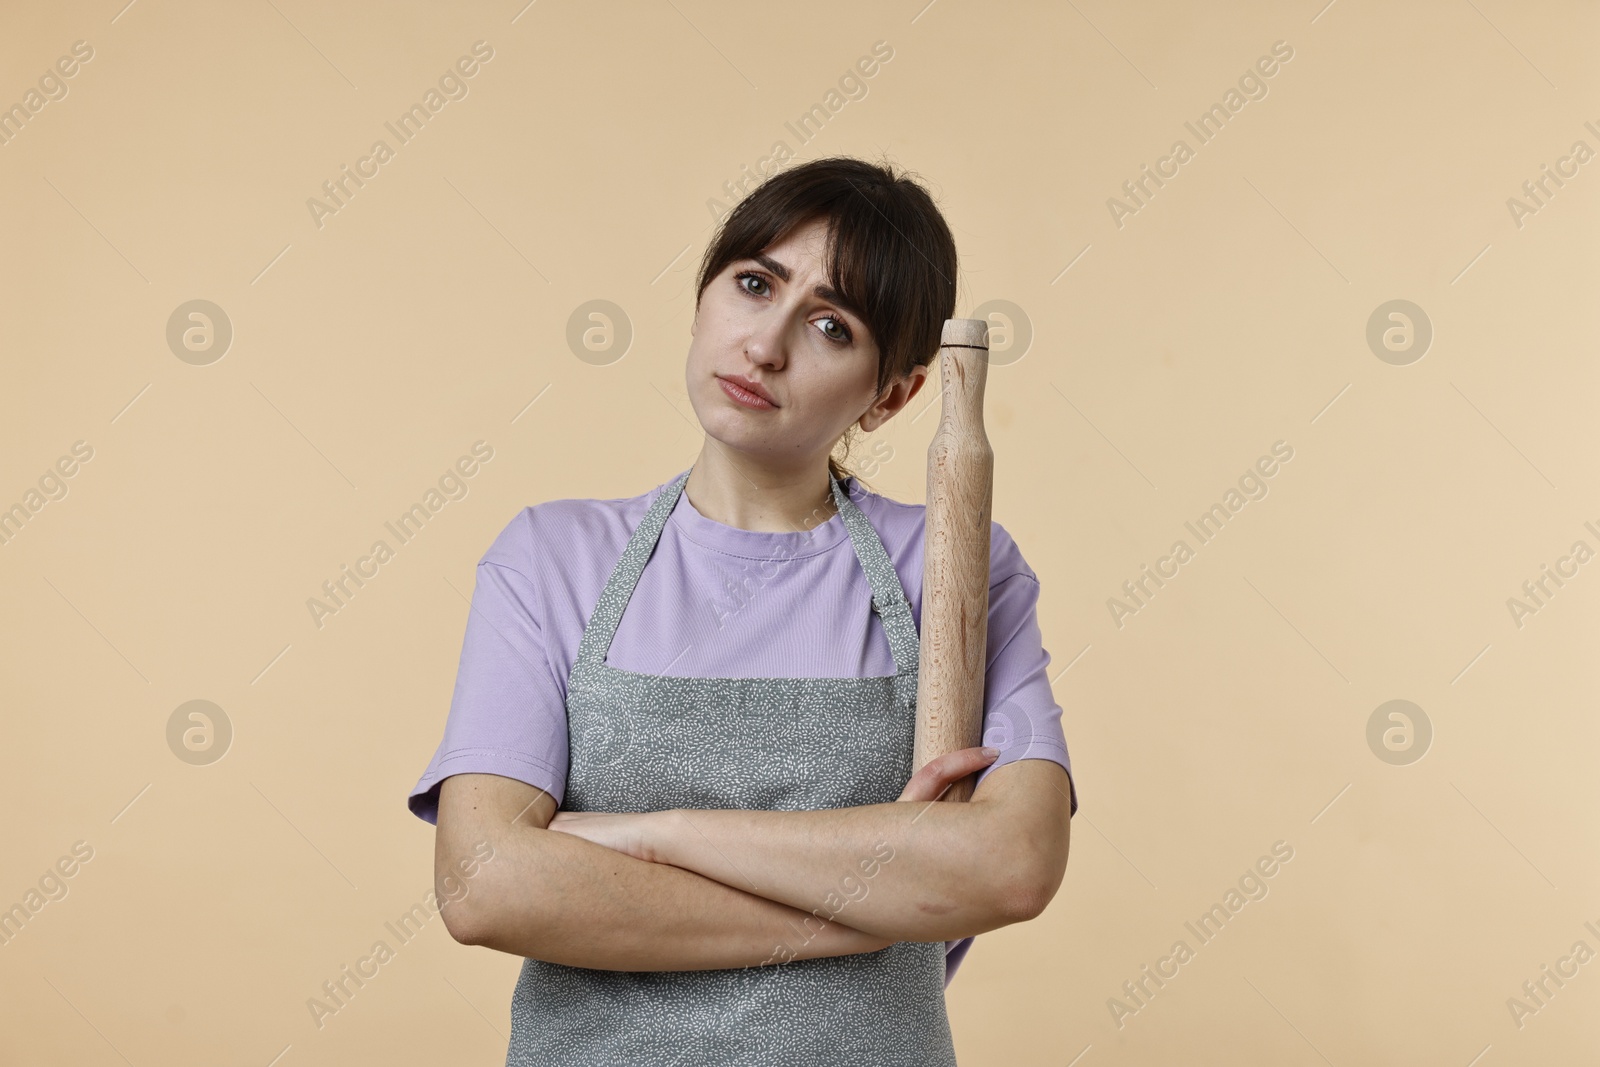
[(713, 601)]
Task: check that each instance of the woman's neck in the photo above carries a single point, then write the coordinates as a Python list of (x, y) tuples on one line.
[(740, 494)]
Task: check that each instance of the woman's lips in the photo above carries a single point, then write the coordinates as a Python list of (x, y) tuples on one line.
[(744, 396)]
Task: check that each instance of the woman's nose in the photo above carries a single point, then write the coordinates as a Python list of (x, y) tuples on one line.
[(765, 346)]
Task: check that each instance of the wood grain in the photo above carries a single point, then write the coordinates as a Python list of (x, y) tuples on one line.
[(955, 575)]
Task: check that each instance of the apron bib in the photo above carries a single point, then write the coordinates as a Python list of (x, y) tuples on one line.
[(644, 742)]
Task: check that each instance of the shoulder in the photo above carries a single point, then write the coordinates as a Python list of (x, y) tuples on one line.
[(901, 527), (575, 527)]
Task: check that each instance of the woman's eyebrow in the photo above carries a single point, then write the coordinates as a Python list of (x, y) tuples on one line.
[(825, 291)]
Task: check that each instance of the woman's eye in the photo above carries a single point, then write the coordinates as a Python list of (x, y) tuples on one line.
[(758, 279), (844, 331)]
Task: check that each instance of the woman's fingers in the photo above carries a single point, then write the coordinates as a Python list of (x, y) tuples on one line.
[(939, 773)]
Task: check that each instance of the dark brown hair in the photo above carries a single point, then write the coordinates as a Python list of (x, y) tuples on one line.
[(888, 252)]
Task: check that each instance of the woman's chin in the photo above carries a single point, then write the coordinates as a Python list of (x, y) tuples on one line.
[(733, 444), (748, 448), (737, 427)]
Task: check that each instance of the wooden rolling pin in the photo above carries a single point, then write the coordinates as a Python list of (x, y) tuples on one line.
[(955, 570)]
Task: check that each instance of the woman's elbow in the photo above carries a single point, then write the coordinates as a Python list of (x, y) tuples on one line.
[(469, 917), (464, 928), (471, 890), (1027, 902), (1033, 885)]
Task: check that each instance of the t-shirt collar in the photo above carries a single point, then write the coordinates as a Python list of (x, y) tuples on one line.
[(761, 544)]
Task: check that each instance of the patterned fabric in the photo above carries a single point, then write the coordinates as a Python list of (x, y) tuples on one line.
[(642, 742)]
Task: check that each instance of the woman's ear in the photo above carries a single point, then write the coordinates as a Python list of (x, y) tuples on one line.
[(896, 396)]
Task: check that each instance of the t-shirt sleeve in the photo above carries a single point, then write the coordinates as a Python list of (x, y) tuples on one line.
[(1020, 714), (508, 712)]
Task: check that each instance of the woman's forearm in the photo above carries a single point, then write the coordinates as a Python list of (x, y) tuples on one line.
[(905, 871), (555, 897)]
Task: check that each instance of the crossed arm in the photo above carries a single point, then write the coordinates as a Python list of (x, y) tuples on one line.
[(696, 889)]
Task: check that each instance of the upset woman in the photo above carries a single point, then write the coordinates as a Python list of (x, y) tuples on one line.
[(684, 719)]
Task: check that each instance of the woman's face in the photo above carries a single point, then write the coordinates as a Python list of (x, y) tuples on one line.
[(762, 319)]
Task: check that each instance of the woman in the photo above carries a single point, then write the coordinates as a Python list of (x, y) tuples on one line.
[(727, 730)]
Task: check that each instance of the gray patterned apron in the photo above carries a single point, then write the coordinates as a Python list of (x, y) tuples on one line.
[(644, 742)]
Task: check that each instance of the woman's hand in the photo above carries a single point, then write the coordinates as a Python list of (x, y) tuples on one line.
[(941, 772), (626, 832)]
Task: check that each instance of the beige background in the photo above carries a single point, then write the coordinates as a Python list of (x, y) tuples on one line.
[(1229, 313)]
